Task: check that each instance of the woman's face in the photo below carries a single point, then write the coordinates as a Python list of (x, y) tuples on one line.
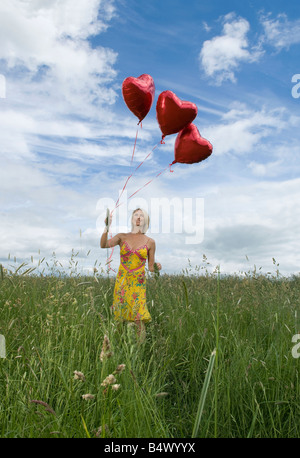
[(138, 219)]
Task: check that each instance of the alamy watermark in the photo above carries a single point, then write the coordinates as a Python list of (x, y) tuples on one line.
[(167, 215), (296, 88), (2, 347), (2, 87)]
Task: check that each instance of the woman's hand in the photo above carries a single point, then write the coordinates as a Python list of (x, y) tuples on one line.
[(157, 265), (108, 220)]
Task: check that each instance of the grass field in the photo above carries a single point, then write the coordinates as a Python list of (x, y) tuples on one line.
[(217, 360)]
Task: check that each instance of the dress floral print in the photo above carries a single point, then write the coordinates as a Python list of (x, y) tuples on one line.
[(130, 288)]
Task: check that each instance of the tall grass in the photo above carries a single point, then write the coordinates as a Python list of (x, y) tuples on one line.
[(174, 385)]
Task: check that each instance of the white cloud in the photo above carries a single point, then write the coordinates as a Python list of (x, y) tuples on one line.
[(241, 129), (221, 56), (269, 169), (48, 56), (260, 220), (206, 27), (280, 32)]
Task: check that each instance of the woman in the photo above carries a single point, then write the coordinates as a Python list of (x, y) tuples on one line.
[(129, 302)]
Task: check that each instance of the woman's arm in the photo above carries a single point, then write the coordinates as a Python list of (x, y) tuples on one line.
[(116, 240), (151, 256), (104, 243)]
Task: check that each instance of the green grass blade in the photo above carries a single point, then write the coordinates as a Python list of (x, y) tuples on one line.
[(85, 428), (204, 394)]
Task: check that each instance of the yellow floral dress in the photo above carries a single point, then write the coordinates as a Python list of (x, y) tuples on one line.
[(129, 302)]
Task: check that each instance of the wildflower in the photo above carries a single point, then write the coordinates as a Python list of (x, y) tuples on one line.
[(79, 376), (110, 380), (87, 397), (115, 387), (106, 351)]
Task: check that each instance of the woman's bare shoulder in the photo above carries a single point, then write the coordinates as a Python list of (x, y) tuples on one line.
[(122, 236), (150, 242)]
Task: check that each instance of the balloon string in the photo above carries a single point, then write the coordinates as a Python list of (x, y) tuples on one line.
[(116, 204), (128, 178), (109, 259), (146, 184), (137, 131)]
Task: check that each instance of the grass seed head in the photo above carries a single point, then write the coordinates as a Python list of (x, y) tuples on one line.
[(98, 432), (88, 397), (44, 404), (106, 350), (115, 387), (79, 376), (120, 369), (109, 380)]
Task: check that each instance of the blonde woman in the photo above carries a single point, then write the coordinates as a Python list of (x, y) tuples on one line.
[(129, 303)]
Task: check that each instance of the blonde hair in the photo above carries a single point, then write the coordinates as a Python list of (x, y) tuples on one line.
[(146, 220)]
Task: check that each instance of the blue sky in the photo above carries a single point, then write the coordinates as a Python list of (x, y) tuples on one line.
[(67, 135)]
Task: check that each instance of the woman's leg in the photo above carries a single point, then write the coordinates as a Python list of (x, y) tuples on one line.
[(141, 331)]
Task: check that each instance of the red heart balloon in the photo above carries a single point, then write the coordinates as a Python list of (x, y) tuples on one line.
[(190, 147), (173, 114), (138, 94)]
